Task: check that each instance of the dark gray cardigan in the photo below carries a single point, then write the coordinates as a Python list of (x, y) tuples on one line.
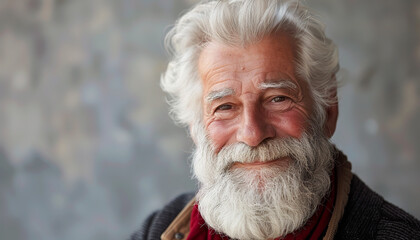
[(367, 216)]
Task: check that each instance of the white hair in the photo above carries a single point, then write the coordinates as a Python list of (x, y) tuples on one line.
[(240, 23)]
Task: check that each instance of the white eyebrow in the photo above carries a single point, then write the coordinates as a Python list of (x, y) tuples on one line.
[(278, 84), (217, 94)]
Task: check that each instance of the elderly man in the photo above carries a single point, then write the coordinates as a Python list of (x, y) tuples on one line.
[(254, 80)]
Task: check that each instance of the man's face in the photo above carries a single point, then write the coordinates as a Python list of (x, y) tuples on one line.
[(251, 94), (262, 162)]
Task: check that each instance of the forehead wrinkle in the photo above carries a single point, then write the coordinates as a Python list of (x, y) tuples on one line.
[(218, 94), (277, 84)]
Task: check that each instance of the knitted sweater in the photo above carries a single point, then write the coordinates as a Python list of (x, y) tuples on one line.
[(367, 216)]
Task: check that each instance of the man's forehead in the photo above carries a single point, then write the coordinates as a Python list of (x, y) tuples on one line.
[(278, 47), (228, 70)]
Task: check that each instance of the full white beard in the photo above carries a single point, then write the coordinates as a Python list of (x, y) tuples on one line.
[(267, 202)]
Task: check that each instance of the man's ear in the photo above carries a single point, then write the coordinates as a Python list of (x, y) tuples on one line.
[(331, 115), (331, 121), (193, 137)]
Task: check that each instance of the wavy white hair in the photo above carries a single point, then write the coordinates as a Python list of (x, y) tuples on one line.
[(239, 23)]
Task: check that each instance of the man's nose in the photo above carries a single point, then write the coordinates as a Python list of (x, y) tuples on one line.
[(254, 127)]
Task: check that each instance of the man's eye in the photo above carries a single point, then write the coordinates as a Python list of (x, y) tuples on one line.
[(279, 99), (224, 107)]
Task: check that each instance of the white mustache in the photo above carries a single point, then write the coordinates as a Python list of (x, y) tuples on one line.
[(268, 150)]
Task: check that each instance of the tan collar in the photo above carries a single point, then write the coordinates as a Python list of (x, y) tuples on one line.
[(180, 227), (344, 176)]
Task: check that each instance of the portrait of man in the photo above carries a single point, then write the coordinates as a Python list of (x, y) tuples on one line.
[(255, 83)]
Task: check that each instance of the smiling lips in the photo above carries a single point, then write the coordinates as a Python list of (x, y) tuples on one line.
[(284, 161)]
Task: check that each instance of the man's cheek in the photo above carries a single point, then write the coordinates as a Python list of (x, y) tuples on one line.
[(291, 124), (220, 134)]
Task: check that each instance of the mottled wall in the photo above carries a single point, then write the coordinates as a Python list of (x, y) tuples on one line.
[(87, 149)]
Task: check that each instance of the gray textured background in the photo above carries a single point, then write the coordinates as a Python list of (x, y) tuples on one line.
[(87, 149)]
